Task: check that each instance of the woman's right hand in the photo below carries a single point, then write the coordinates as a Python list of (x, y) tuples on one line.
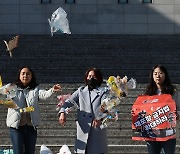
[(62, 119)]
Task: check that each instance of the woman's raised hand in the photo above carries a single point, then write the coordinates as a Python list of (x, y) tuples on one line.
[(56, 88)]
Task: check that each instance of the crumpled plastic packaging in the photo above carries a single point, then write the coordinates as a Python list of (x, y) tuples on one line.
[(64, 150), (45, 150), (117, 89), (59, 21)]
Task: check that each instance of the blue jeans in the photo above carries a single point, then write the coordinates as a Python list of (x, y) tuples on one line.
[(167, 147), (23, 139)]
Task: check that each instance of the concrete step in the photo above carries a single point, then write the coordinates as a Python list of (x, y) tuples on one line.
[(112, 149), (65, 58), (54, 136)]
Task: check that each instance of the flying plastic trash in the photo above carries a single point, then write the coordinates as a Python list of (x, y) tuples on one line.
[(117, 89), (13, 43), (59, 22)]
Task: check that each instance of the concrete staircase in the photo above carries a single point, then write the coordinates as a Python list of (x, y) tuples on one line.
[(54, 136), (65, 58)]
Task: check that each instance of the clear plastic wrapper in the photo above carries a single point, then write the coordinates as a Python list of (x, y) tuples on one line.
[(64, 150), (11, 91), (59, 22), (45, 150), (8, 93)]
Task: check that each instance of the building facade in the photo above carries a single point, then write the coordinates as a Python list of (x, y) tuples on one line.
[(92, 16)]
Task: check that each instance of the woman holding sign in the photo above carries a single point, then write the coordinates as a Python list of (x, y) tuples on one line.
[(160, 84)]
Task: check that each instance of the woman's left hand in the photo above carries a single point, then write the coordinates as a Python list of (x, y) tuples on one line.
[(56, 88), (96, 123)]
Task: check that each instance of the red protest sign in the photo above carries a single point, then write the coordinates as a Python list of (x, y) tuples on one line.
[(154, 118)]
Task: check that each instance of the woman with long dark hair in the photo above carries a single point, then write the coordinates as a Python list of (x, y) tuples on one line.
[(22, 125), (160, 83)]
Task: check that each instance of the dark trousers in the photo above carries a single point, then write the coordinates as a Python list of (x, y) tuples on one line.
[(23, 139), (167, 147)]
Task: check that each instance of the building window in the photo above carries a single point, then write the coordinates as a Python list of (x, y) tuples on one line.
[(147, 1), (45, 1), (69, 1), (122, 1)]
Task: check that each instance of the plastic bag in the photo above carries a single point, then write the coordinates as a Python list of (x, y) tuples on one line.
[(59, 22), (7, 151)]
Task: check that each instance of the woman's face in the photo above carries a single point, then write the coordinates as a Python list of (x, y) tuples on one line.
[(91, 74), (25, 76), (158, 76)]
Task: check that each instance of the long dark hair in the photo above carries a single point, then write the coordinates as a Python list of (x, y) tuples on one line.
[(167, 87), (97, 73), (32, 84)]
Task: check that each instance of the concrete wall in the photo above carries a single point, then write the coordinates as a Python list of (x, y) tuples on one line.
[(92, 16)]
